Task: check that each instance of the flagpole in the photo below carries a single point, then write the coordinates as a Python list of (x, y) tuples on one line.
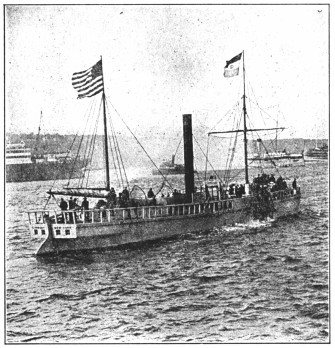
[(105, 130), (245, 129)]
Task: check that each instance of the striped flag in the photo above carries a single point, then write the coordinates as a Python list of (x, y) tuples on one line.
[(232, 66), (89, 82)]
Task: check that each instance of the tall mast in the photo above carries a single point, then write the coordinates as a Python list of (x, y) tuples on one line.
[(245, 129), (277, 135), (38, 135), (105, 132)]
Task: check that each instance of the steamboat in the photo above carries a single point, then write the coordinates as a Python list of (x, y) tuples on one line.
[(135, 218), (34, 164)]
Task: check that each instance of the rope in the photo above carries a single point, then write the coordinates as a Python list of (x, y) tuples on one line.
[(207, 159), (141, 146)]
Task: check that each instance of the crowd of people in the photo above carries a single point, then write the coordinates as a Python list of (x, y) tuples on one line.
[(261, 185), (271, 183)]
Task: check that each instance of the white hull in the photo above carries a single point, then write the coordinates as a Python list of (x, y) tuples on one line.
[(100, 235)]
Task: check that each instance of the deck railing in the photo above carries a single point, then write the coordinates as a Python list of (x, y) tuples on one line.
[(140, 212)]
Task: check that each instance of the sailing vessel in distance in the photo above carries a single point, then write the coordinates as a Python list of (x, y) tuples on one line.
[(37, 164), (169, 168), (263, 158), (317, 153), (132, 218)]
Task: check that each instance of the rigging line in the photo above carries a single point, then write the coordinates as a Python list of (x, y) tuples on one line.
[(47, 201), (82, 138), (207, 159), (63, 164), (197, 172), (178, 146), (142, 148), (233, 177), (230, 111), (256, 103), (93, 142), (268, 132), (267, 152), (82, 142), (230, 160), (88, 143), (114, 163), (261, 109), (118, 152), (117, 170)]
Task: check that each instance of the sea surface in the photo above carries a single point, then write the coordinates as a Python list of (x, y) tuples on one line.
[(235, 285)]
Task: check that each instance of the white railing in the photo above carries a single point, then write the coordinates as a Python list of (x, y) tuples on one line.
[(141, 212)]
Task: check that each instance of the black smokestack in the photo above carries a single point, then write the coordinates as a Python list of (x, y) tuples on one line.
[(188, 156)]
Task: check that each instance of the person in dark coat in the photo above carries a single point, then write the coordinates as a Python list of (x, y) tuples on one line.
[(151, 193), (272, 178), (63, 204), (84, 207), (71, 204), (111, 198), (294, 184), (125, 192)]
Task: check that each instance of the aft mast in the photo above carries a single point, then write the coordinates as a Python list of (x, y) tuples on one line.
[(231, 70), (245, 129)]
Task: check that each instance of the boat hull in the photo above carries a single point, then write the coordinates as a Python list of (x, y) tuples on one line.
[(169, 171), (323, 158), (283, 163), (22, 172), (106, 235)]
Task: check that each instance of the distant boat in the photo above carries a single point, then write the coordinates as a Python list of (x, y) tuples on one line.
[(135, 216), (169, 168), (35, 164), (317, 153), (283, 158)]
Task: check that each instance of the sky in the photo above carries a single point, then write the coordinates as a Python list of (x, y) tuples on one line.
[(162, 61)]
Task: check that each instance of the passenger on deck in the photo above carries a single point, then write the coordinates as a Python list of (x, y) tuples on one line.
[(294, 184), (258, 179), (76, 205), (151, 194), (207, 193), (71, 204), (272, 178), (63, 204), (126, 193), (85, 206), (280, 183), (238, 191), (111, 198)]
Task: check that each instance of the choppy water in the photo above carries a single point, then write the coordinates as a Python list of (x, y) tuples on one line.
[(236, 285)]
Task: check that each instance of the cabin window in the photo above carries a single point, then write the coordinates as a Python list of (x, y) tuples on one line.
[(67, 232), (57, 232), (43, 231), (36, 231)]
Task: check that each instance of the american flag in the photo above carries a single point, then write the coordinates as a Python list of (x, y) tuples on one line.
[(89, 82)]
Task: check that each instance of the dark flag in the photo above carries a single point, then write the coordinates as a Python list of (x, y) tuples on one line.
[(232, 66), (89, 82)]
